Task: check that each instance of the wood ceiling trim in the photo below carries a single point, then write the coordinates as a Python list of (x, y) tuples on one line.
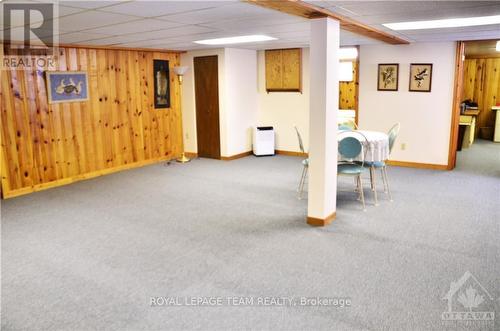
[(309, 11)]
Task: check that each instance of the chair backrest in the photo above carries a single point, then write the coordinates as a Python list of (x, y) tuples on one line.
[(301, 145), (393, 134), (348, 125), (351, 147)]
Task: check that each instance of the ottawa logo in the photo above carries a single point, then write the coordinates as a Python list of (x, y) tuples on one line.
[(468, 302)]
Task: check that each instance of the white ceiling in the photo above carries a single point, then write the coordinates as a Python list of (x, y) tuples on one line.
[(176, 24)]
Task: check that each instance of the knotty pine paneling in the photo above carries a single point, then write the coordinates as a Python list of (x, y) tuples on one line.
[(482, 85), (118, 128), (348, 91)]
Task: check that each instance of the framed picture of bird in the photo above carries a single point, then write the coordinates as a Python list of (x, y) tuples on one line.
[(388, 77), (67, 86), (420, 77)]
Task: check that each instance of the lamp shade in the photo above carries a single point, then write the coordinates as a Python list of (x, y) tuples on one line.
[(181, 70)]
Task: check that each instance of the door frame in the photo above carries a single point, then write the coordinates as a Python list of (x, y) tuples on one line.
[(457, 99)]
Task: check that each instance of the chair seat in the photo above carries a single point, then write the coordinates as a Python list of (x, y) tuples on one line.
[(349, 169), (375, 164), (305, 162)]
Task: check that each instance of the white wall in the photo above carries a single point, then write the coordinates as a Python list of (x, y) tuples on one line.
[(238, 105), (241, 99), (425, 117), (283, 110)]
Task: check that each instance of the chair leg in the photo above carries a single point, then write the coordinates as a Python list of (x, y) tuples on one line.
[(387, 184), (302, 182), (374, 184), (361, 191), (383, 180)]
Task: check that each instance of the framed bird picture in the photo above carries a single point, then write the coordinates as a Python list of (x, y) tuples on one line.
[(420, 77), (388, 76), (67, 86)]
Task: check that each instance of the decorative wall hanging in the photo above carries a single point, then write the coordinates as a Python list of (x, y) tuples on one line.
[(388, 77), (67, 86), (420, 77), (161, 85)]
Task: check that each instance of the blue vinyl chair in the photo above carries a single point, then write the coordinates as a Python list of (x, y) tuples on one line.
[(305, 165), (382, 166), (349, 149)]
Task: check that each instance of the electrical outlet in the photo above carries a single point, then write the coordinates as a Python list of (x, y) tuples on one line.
[(403, 146)]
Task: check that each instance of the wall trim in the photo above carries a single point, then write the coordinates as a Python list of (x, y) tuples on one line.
[(321, 221), (191, 155), (78, 178), (417, 165), (291, 153), (236, 156)]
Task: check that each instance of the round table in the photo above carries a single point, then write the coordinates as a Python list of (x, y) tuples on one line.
[(376, 142)]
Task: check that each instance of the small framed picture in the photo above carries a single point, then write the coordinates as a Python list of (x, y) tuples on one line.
[(388, 76), (67, 86), (161, 84), (420, 77)]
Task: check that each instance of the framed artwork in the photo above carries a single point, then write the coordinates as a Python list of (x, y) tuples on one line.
[(388, 77), (67, 86), (420, 77), (161, 83)]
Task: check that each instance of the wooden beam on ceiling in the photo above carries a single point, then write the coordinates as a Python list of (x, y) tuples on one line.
[(309, 11)]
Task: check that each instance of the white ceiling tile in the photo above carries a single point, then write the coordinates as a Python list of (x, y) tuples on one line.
[(90, 4), (91, 19), (160, 8), (139, 25), (76, 37), (174, 32), (230, 11)]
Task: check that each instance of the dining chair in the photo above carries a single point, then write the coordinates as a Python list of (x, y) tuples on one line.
[(349, 149), (305, 165), (382, 165)]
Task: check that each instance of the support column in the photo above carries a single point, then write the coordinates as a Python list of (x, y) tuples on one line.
[(324, 104)]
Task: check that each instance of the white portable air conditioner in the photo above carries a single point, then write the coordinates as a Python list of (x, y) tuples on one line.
[(263, 141)]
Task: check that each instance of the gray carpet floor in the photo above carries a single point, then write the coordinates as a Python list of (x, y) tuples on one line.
[(90, 256)]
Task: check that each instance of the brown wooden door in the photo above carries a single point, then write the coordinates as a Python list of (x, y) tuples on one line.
[(206, 82)]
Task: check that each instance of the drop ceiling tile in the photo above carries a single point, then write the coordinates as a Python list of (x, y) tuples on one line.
[(92, 4), (174, 32), (160, 8), (139, 25), (251, 24), (90, 19), (230, 11), (76, 37), (111, 40)]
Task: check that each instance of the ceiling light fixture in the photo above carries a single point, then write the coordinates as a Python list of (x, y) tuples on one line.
[(446, 23), (235, 40), (348, 53), (498, 46)]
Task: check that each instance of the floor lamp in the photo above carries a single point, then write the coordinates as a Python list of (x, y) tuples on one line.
[(180, 71)]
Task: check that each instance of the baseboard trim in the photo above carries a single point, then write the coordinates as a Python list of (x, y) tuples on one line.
[(235, 157), (65, 181), (418, 165), (291, 153), (191, 155), (320, 221)]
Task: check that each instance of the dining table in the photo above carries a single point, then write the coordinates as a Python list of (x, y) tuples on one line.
[(376, 142)]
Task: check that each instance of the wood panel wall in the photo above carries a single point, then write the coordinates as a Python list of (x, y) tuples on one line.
[(348, 91), (482, 85), (45, 145)]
